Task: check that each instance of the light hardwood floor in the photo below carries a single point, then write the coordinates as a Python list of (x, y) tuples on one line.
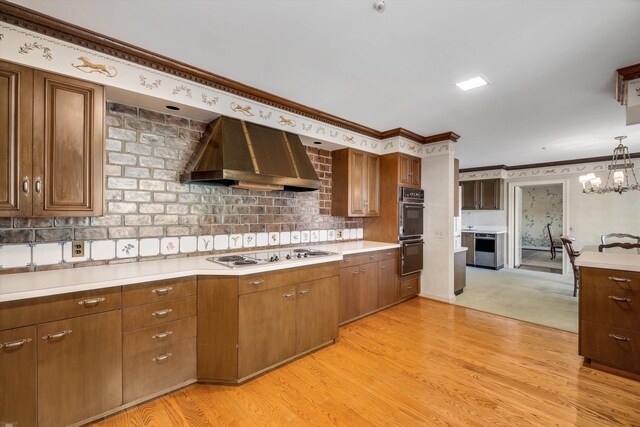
[(419, 363)]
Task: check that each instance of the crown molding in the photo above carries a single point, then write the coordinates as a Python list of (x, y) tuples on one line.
[(447, 136), (623, 76)]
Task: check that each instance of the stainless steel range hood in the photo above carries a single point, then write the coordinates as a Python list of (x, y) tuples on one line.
[(246, 155)]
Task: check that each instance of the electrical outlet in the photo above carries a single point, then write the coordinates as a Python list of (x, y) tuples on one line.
[(77, 249), (339, 234)]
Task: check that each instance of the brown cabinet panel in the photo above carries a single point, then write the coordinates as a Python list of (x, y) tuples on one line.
[(489, 193), (157, 313), (388, 282), (161, 290), (356, 178), (416, 172), (16, 97), (68, 121), (316, 313), (368, 288), (349, 293), (267, 328), (409, 170), (157, 337), (358, 172), (469, 195), (79, 368), (409, 286), (372, 201), (468, 241), (18, 376), (612, 279), (616, 347), (275, 279), (456, 187)]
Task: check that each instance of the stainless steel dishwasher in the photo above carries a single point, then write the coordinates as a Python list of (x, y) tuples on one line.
[(485, 248)]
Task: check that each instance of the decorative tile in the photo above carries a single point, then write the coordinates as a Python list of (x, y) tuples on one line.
[(339, 234), (322, 236), (221, 242), (285, 237), (67, 255), (315, 237), (12, 256), (46, 254), (235, 241), (169, 245), (360, 233), (274, 239), (263, 239), (103, 249), (127, 248), (150, 247), (345, 234), (295, 237), (305, 236), (353, 233), (331, 235), (205, 243), (249, 240), (188, 244)]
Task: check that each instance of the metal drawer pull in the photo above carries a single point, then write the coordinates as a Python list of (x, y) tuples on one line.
[(257, 282), (14, 345), (162, 357), (288, 295), (619, 337), (364, 270), (304, 292), (25, 185), (383, 265), (38, 184), (92, 302), (372, 256), (619, 279), (346, 260), (162, 335), (328, 269), (355, 272), (162, 291), (162, 313), (57, 335), (611, 297)]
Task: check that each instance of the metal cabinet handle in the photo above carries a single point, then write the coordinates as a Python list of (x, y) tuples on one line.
[(303, 292), (328, 269), (346, 260), (355, 272), (257, 282), (162, 357), (25, 185), (611, 297), (162, 335), (372, 256), (38, 184), (620, 279), (619, 337), (57, 335), (383, 265), (162, 313), (91, 302), (162, 291), (364, 270), (14, 345), (288, 295)]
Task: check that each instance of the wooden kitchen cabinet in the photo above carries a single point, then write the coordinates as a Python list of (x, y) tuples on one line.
[(368, 288), (53, 131), (481, 194), (18, 376), (388, 281), (316, 313), (360, 172), (468, 241), (409, 171), (349, 293), (79, 368), (409, 286)]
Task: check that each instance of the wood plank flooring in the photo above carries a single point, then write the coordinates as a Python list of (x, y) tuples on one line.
[(419, 363)]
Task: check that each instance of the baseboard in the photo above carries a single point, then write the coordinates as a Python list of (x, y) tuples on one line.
[(449, 300)]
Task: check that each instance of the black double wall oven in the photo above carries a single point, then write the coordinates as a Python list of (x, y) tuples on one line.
[(410, 229)]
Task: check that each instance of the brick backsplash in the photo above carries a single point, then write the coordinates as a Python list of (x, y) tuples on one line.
[(145, 153)]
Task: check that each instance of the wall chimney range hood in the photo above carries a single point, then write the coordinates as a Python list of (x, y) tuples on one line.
[(240, 154)]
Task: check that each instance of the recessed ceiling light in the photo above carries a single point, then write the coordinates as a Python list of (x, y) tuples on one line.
[(472, 83), (172, 107)]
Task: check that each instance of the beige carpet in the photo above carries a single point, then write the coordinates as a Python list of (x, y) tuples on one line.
[(542, 298), (536, 258)]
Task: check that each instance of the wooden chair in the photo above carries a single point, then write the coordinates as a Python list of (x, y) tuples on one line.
[(623, 245), (567, 242), (604, 237), (553, 243)]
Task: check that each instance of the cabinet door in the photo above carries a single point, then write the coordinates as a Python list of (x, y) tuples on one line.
[(404, 166), (468, 189), (16, 93), (387, 282), (468, 241), (267, 329), (68, 121), (316, 313), (489, 191), (79, 368), (372, 200), (358, 175), (415, 173), (349, 293), (18, 376), (368, 288)]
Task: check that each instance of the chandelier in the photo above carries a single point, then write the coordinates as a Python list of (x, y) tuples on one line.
[(622, 170)]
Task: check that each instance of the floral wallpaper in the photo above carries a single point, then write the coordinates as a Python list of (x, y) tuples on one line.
[(541, 205)]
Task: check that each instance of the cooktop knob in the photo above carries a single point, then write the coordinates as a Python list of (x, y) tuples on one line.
[(306, 255), (288, 256), (271, 259), (276, 258), (299, 255)]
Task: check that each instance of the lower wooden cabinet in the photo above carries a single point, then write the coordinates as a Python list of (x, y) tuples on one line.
[(387, 282), (79, 368), (18, 376), (316, 313), (409, 286)]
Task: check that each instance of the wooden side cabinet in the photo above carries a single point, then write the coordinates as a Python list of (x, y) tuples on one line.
[(468, 241), (410, 172), (360, 171), (481, 194), (52, 131), (18, 376)]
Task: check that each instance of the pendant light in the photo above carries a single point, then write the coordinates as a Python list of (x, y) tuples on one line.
[(621, 174)]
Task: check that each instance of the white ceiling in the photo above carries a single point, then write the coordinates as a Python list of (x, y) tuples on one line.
[(551, 64)]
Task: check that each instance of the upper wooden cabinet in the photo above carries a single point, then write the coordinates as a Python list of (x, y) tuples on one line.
[(360, 172), (410, 171), (481, 194), (53, 132)]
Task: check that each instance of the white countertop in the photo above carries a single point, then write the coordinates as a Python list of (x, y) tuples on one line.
[(460, 249), (611, 260), (44, 283), (482, 230)]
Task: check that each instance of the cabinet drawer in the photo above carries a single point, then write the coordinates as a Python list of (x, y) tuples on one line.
[(619, 279), (610, 306), (162, 290), (616, 347), (156, 370), (31, 311), (275, 279), (409, 286), (157, 313), (157, 337)]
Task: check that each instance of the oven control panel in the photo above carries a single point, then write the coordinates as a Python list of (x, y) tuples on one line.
[(414, 195)]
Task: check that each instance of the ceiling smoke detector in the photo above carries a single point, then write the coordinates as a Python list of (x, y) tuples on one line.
[(379, 5)]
